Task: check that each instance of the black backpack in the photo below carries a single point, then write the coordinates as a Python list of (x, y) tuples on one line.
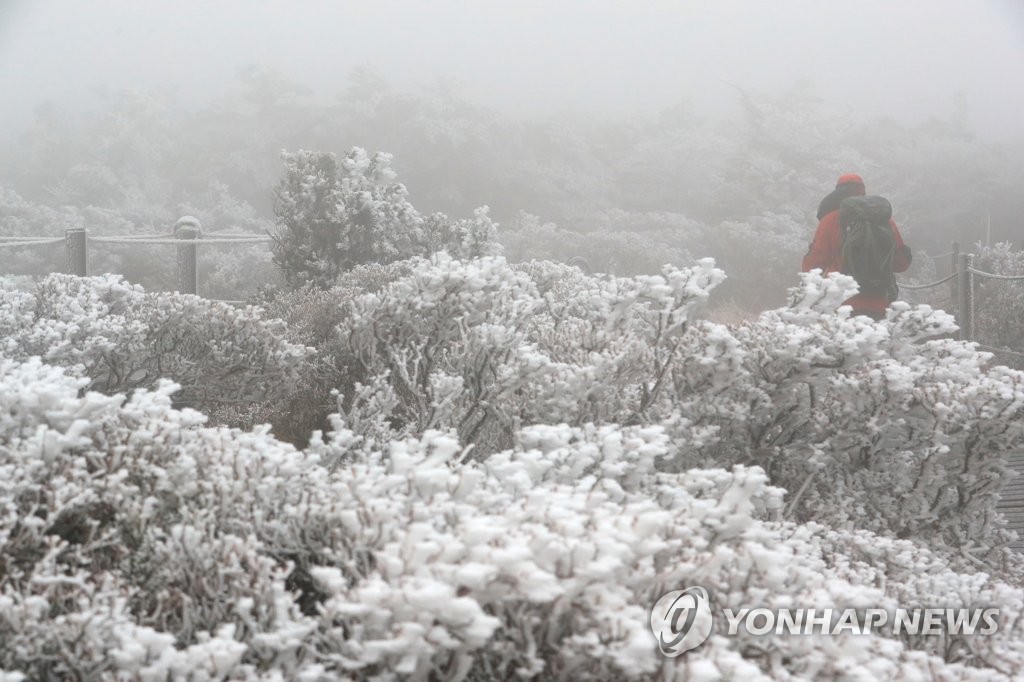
[(869, 244)]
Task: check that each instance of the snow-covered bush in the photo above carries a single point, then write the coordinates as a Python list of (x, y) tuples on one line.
[(907, 428), (613, 241), (311, 316), (481, 347), (138, 543), (463, 239), (120, 338), (333, 215), (524, 459), (20, 217), (999, 304), (910, 428)]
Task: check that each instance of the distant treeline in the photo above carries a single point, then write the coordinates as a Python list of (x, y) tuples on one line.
[(626, 195)]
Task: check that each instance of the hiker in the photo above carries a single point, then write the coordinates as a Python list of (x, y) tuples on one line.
[(857, 236)]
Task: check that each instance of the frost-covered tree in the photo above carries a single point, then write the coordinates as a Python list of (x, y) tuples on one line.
[(324, 230), (333, 215)]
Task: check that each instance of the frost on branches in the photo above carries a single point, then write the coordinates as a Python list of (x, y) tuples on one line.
[(525, 458), (121, 338), (908, 428), (332, 216), (138, 542), (999, 303)]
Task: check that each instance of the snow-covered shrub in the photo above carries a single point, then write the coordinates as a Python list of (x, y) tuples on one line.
[(463, 239), (20, 217), (90, 505), (311, 316), (121, 338), (908, 427), (999, 304), (760, 252), (612, 241), (479, 347), (444, 347), (332, 216), (523, 460), (137, 543)]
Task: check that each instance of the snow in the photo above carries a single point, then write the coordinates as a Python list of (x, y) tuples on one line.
[(801, 458)]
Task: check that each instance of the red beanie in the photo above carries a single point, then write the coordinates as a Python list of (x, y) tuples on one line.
[(849, 178)]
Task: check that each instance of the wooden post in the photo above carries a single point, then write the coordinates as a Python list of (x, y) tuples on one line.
[(76, 251), (955, 282), (970, 296), (188, 273), (965, 286)]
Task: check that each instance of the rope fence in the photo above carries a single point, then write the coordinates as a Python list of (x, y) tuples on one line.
[(928, 286), (18, 241), (187, 237), (1001, 351), (964, 273), (166, 235), (179, 241), (990, 275)]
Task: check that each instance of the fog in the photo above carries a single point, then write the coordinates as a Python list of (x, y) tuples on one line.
[(905, 59), (626, 134)]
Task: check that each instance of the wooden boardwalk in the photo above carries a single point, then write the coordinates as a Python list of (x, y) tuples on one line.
[(1012, 502)]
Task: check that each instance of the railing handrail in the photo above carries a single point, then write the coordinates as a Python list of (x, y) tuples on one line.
[(187, 237), (928, 286), (1003, 351), (990, 275), (177, 241), (9, 242)]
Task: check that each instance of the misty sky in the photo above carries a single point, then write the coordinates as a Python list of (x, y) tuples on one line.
[(905, 58)]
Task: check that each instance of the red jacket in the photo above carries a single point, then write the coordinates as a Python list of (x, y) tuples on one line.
[(826, 252)]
